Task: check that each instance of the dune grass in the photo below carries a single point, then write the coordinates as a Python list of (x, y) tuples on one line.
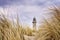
[(8, 31), (50, 29)]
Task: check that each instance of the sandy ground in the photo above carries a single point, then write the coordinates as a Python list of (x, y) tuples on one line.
[(29, 37)]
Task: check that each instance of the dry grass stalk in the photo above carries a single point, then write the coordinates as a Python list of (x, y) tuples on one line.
[(50, 30)]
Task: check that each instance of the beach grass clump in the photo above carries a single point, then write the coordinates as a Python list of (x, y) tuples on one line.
[(8, 31), (50, 29)]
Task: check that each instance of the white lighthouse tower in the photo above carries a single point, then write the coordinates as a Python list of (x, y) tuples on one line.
[(34, 24)]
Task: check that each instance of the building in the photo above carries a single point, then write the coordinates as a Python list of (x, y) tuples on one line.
[(34, 23)]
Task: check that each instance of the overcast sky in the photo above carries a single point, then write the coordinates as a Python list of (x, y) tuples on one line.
[(26, 9)]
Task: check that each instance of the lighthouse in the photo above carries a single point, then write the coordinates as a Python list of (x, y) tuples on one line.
[(34, 23)]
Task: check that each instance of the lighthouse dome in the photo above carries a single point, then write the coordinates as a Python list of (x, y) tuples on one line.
[(34, 20)]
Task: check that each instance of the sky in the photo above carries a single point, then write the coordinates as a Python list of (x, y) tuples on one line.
[(27, 9)]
